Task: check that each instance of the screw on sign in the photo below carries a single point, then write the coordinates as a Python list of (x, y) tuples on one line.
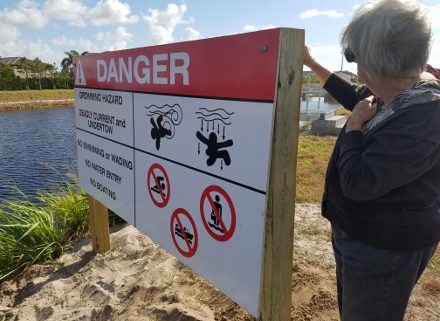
[(184, 232), (218, 213), (158, 185)]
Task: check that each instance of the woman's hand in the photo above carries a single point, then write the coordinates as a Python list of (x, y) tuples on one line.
[(362, 112), (308, 59)]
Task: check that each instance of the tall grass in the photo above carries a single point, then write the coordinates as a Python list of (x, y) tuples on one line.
[(32, 232)]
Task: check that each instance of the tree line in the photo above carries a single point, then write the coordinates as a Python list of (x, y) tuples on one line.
[(38, 74)]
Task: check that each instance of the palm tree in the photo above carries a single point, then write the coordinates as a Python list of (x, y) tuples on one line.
[(53, 70), (38, 68), (66, 63), (26, 65)]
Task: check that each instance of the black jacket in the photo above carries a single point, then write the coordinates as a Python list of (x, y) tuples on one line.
[(383, 188)]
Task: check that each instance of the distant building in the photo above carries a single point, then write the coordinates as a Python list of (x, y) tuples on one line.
[(349, 76), (16, 64), (345, 75)]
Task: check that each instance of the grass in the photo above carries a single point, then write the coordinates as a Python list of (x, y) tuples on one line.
[(341, 111), (435, 265), (313, 155), (46, 94), (31, 233), (430, 282)]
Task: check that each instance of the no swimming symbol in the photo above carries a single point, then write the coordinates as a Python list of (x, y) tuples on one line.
[(218, 213), (158, 185), (184, 232)]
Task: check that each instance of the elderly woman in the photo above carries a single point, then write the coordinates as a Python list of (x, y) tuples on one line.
[(382, 189)]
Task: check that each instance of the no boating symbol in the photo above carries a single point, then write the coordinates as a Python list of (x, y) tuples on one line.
[(218, 213), (158, 185), (184, 232)]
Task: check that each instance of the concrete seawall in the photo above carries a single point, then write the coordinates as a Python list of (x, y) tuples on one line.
[(35, 104)]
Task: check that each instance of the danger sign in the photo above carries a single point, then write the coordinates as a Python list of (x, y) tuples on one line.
[(184, 232), (158, 185), (218, 213), (181, 138)]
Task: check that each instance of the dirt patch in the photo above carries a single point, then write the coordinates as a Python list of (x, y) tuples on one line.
[(138, 280)]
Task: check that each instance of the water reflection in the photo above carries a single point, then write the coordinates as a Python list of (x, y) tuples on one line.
[(37, 149)]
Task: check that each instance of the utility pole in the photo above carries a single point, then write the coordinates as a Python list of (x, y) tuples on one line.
[(342, 64)]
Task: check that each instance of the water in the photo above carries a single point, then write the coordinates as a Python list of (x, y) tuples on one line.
[(37, 149), (315, 105)]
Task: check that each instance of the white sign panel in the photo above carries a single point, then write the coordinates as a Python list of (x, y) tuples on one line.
[(230, 139), (177, 141), (106, 171), (108, 114), (198, 191), (213, 226), (196, 184)]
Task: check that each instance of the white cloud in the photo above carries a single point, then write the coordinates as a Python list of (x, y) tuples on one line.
[(84, 45), (331, 58), (112, 12), (249, 28), (434, 11), (64, 41), (114, 40), (40, 49), (27, 14), (435, 52), (163, 23), (8, 32), (325, 50), (160, 35), (71, 11), (105, 41), (314, 13), (31, 50), (191, 34)]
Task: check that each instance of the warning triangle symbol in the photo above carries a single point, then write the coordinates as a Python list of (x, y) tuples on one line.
[(80, 79)]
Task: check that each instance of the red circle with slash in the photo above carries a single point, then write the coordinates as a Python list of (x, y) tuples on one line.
[(226, 232), (190, 240), (160, 198)]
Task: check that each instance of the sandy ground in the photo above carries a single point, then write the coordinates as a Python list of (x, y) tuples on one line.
[(138, 281)]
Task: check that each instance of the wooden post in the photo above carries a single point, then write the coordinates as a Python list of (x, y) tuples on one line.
[(99, 227), (276, 290)]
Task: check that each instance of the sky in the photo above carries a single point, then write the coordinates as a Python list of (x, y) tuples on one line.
[(47, 28)]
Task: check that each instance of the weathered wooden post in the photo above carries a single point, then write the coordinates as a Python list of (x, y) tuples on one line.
[(276, 293), (99, 227)]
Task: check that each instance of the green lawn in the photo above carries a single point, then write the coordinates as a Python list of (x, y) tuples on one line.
[(46, 94), (313, 155)]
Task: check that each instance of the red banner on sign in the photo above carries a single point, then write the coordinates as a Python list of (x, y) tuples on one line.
[(240, 66)]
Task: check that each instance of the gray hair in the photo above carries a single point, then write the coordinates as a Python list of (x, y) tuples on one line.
[(390, 38)]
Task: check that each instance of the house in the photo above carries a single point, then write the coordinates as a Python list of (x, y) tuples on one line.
[(17, 66), (15, 63)]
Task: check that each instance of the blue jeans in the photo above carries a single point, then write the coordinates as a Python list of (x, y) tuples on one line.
[(375, 284)]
